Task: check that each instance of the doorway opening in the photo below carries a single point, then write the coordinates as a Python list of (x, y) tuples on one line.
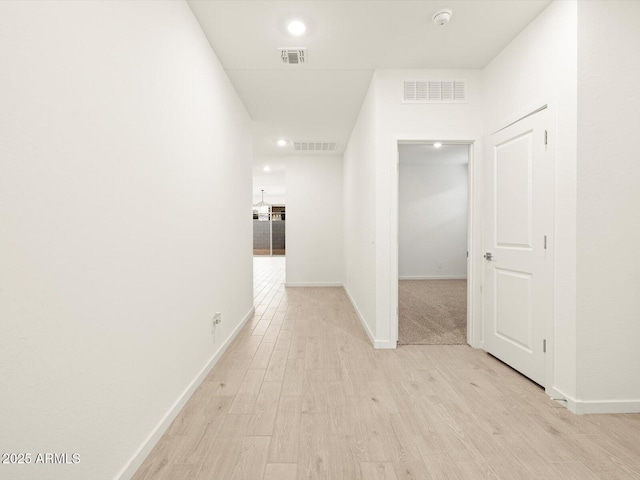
[(433, 243), (269, 229)]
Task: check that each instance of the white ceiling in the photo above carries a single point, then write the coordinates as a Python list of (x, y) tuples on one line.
[(346, 41), (427, 154)]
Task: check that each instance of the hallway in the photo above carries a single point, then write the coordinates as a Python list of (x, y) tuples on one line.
[(131, 133), (301, 394)]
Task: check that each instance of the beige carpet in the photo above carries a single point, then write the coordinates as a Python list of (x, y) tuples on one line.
[(432, 312)]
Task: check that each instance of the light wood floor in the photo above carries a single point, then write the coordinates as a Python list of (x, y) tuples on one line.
[(301, 394), (266, 251)]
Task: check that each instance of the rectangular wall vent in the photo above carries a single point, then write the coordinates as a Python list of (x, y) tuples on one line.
[(434, 91), (293, 56), (315, 146)]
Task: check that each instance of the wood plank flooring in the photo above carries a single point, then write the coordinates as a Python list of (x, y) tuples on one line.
[(301, 394)]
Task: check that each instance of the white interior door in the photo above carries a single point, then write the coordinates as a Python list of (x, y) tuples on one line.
[(518, 275)]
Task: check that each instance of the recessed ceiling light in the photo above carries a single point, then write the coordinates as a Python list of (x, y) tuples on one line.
[(266, 168), (437, 145), (296, 28), (282, 143)]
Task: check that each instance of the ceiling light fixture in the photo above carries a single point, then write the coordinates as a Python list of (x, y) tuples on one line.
[(262, 209), (282, 143), (437, 145), (442, 17), (296, 28), (266, 168)]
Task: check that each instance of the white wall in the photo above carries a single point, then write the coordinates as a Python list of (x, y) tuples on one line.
[(433, 211), (272, 182), (314, 221), (359, 214), (595, 322), (124, 163), (608, 230), (453, 122), (371, 179), (537, 65)]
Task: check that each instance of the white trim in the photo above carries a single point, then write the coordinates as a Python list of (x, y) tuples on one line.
[(359, 314), (313, 284), (147, 445), (607, 406), (533, 107), (474, 235), (562, 398), (385, 345), (583, 407), (377, 344), (551, 325), (436, 277)]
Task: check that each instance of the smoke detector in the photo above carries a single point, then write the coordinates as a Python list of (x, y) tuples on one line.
[(442, 17)]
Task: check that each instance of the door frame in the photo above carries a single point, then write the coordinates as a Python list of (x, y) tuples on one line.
[(474, 235)]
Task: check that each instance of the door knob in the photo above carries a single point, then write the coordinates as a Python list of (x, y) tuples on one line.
[(488, 256)]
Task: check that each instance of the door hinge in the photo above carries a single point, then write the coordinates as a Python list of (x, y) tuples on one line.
[(546, 138), (545, 242), (544, 346)]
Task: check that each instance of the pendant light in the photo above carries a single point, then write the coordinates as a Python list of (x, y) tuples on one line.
[(262, 208)]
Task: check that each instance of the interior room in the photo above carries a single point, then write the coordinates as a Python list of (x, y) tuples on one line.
[(433, 239), (141, 338)]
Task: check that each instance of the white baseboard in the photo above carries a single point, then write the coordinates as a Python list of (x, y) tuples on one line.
[(583, 407), (435, 277), (608, 406), (147, 445), (561, 398), (377, 344), (313, 284), (385, 345)]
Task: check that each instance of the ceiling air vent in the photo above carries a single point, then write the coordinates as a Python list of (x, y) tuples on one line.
[(315, 146), (293, 56), (434, 91)]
